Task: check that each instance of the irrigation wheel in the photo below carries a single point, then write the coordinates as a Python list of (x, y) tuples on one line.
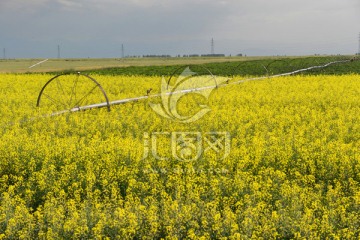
[(71, 92)]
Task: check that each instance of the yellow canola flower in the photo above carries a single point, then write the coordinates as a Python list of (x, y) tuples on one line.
[(293, 169)]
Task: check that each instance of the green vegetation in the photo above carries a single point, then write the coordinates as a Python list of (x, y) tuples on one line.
[(259, 67), (226, 66)]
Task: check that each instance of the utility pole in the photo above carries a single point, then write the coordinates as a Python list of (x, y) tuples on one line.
[(58, 54), (359, 45), (4, 53), (212, 46), (122, 51)]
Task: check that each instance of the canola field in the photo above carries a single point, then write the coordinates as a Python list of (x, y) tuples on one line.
[(272, 159)]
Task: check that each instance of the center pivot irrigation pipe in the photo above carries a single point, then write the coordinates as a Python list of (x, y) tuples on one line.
[(135, 99)]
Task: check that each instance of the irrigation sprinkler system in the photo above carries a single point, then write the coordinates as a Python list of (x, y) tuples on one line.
[(74, 101), (38, 63)]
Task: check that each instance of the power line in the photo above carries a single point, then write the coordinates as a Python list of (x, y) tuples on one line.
[(58, 54), (212, 46), (359, 45), (122, 51)]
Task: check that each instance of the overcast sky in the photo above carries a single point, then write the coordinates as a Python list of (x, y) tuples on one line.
[(97, 28)]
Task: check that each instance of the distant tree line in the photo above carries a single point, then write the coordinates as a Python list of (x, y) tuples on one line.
[(213, 55), (156, 56), (204, 55), (184, 55)]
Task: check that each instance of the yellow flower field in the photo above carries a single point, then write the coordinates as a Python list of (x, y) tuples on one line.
[(292, 169)]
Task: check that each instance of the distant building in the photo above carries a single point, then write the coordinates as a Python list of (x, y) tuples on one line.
[(156, 56), (213, 55), (191, 55)]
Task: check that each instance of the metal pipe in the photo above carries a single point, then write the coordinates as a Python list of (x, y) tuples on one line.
[(135, 99)]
